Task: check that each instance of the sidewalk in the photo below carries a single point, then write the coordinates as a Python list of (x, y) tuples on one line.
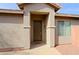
[(44, 50)]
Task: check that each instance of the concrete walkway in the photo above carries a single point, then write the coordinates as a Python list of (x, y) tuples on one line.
[(68, 49), (44, 50)]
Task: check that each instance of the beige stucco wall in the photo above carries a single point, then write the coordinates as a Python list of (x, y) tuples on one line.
[(75, 32), (40, 8), (74, 38), (11, 31)]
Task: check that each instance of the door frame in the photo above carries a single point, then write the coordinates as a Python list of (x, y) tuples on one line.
[(43, 18)]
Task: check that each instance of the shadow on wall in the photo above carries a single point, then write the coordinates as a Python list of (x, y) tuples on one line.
[(11, 18)]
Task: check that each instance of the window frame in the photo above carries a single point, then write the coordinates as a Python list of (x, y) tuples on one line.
[(64, 30)]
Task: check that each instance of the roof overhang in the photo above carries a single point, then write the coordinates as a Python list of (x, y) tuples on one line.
[(54, 5), (9, 11), (66, 15)]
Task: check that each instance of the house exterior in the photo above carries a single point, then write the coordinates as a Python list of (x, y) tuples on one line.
[(37, 23)]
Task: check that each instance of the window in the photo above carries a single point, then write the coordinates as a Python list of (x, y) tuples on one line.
[(64, 28)]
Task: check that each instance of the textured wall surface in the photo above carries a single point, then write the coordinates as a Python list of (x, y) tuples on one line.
[(75, 33), (11, 31)]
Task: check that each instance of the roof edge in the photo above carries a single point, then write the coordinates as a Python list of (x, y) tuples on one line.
[(67, 15), (11, 11), (55, 5)]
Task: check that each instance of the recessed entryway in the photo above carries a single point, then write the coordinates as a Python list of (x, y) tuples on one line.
[(38, 30)]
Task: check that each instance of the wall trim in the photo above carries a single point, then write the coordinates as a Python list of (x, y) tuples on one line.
[(26, 27), (51, 27)]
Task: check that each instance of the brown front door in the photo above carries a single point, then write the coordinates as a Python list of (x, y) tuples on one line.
[(37, 30)]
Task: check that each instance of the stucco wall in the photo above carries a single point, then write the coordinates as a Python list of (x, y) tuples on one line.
[(40, 8), (74, 39), (11, 31), (75, 33)]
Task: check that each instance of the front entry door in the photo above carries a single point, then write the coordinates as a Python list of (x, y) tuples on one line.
[(37, 30)]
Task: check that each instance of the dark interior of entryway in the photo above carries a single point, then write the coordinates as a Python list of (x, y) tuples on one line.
[(38, 30)]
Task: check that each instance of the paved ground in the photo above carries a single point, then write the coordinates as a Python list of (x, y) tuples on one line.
[(68, 50), (44, 50)]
